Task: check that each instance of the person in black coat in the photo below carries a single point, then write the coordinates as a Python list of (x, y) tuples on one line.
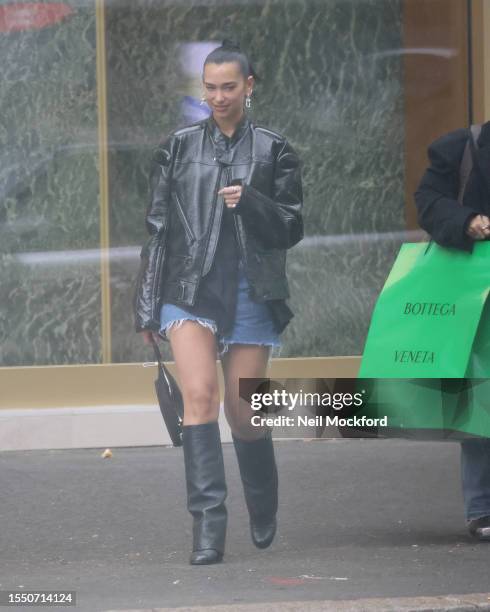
[(449, 223), (457, 225)]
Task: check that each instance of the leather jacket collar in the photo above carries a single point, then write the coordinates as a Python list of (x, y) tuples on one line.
[(220, 140)]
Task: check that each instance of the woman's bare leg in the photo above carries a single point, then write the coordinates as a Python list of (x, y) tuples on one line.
[(194, 352), (253, 445), (245, 361)]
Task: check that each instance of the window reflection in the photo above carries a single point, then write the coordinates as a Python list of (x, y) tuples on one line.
[(343, 87)]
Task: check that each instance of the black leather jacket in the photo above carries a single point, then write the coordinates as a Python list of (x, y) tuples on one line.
[(185, 212)]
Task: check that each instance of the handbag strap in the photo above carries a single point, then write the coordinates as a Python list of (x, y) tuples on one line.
[(467, 160), (162, 368), (158, 355)]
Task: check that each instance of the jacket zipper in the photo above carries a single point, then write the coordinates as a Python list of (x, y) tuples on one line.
[(156, 285), (183, 218), (215, 200), (240, 243)]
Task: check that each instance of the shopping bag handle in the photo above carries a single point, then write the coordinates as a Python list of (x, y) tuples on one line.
[(465, 166)]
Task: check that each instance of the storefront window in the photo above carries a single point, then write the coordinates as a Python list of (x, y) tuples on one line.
[(344, 80)]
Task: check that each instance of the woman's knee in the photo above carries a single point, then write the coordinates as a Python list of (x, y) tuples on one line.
[(238, 416)]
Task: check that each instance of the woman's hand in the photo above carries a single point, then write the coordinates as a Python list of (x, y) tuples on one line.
[(479, 228), (149, 336), (231, 195)]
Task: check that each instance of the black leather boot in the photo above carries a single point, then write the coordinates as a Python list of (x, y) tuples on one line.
[(206, 491), (259, 476)]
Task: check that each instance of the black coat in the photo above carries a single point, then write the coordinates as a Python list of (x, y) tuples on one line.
[(439, 212), (185, 213)]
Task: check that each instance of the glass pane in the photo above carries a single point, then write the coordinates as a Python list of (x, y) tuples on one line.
[(346, 81), (49, 212)]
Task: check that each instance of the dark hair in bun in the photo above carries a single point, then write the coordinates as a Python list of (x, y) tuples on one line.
[(230, 51)]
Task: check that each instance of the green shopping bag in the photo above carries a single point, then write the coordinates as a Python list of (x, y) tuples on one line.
[(431, 323)]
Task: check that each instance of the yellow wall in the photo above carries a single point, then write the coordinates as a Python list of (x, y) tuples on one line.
[(128, 383)]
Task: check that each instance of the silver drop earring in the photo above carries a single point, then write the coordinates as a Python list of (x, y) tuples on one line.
[(248, 102), (203, 100)]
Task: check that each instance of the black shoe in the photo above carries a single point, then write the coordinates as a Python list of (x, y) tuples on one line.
[(262, 535), (480, 528), (260, 482), (208, 556), (206, 491)]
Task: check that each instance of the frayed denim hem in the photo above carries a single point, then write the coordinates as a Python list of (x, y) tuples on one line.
[(176, 323), (223, 346), (276, 348)]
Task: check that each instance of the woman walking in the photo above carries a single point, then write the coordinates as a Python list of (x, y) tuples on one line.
[(225, 205)]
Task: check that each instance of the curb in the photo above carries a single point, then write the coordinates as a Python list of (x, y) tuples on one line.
[(451, 603)]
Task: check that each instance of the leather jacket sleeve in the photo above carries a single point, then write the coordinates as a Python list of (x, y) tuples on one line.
[(148, 284), (439, 212), (276, 221)]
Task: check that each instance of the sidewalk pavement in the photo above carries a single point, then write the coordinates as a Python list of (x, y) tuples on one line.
[(361, 522)]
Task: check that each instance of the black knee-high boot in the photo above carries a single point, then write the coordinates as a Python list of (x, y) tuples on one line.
[(206, 491), (260, 482)]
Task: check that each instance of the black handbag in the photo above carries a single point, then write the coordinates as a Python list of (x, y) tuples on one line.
[(170, 399)]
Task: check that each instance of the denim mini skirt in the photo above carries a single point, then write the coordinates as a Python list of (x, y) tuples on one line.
[(253, 322)]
